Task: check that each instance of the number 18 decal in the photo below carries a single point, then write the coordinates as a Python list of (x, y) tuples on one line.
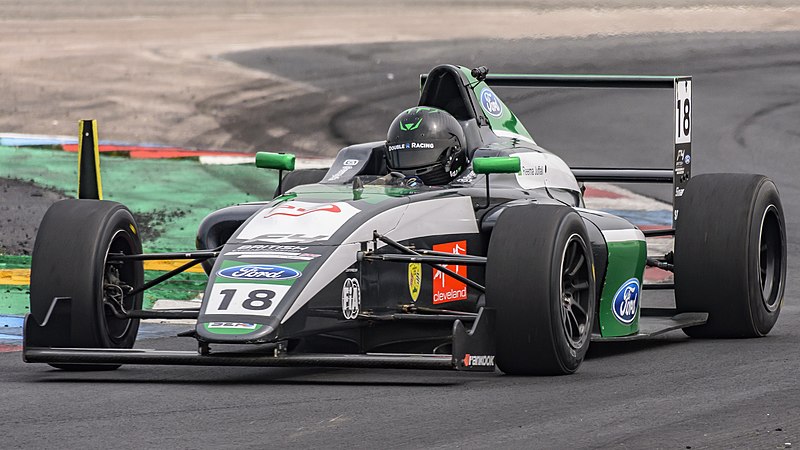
[(683, 111), (250, 299)]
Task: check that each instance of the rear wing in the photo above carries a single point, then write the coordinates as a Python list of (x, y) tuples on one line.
[(678, 174)]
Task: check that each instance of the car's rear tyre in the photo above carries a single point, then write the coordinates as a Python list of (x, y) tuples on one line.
[(730, 254), (540, 280), (70, 260), (301, 177)]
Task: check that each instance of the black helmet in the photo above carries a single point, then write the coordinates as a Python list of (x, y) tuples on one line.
[(428, 143)]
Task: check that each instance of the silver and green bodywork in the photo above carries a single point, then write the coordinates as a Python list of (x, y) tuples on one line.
[(371, 268), (422, 217)]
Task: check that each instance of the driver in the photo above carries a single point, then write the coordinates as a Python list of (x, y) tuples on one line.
[(427, 143)]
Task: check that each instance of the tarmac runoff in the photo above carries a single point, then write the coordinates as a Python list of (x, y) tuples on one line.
[(162, 182)]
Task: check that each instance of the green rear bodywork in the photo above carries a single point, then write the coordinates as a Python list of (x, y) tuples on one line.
[(626, 260)]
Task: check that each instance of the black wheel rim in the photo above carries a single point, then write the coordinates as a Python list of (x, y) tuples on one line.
[(770, 259), (575, 292), (118, 279)]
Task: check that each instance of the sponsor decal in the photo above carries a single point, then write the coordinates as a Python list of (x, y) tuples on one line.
[(490, 103), (537, 170), (291, 237), (423, 145), (626, 301), (293, 252), (260, 272), (468, 178), (446, 288), (271, 255), (351, 298), (340, 173), (270, 248), (399, 146), (478, 360), (350, 162), (679, 191), (534, 170), (298, 222), (683, 158), (294, 210), (414, 280), (237, 325)]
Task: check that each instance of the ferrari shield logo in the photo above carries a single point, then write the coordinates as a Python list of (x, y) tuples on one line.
[(414, 280)]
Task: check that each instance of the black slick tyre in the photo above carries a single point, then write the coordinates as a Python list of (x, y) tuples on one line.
[(70, 260), (730, 254), (301, 177), (540, 280)]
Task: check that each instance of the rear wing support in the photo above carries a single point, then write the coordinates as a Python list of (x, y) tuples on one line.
[(678, 174)]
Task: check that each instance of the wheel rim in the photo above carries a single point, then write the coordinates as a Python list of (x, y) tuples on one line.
[(118, 279), (575, 291), (770, 259)]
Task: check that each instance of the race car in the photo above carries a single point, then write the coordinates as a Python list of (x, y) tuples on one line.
[(486, 259)]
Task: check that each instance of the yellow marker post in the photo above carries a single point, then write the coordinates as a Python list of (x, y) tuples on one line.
[(89, 184)]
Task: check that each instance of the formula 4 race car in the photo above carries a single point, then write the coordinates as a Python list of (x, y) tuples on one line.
[(356, 267)]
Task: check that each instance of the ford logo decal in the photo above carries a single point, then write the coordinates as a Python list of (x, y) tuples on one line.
[(626, 301), (260, 272), (491, 104)]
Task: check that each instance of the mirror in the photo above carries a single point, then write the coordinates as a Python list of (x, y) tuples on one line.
[(496, 164), (278, 161)]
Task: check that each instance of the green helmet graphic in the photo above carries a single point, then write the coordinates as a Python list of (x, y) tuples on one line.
[(411, 125)]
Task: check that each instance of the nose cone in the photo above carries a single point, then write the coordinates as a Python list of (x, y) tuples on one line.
[(249, 289)]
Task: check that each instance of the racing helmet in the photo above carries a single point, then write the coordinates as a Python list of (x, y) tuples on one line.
[(428, 143)]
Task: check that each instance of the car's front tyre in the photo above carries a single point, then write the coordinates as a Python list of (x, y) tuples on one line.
[(540, 280), (70, 259)]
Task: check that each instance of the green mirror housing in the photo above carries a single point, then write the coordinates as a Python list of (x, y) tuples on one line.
[(278, 161), (496, 164)]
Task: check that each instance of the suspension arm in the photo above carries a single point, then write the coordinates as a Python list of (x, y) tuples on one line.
[(202, 255)]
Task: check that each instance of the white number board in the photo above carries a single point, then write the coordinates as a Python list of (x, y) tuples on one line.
[(683, 110), (250, 299)]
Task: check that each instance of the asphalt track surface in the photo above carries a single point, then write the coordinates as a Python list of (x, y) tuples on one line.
[(672, 392)]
